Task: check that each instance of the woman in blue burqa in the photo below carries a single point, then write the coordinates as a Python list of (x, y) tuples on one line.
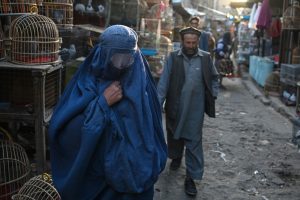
[(106, 136)]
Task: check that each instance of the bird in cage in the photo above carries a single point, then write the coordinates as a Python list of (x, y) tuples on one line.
[(80, 8), (58, 16), (67, 54), (101, 10), (89, 7)]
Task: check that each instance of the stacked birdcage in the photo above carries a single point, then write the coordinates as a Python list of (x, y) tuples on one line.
[(15, 7), (14, 168), (38, 188), (34, 40), (60, 11), (291, 17), (127, 12)]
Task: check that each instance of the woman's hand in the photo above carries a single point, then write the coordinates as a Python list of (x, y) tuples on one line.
[(113, 93)]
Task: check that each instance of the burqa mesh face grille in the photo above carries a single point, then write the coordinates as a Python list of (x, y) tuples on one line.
[(122, 60)]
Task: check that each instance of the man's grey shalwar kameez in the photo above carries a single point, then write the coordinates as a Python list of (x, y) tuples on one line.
[(191, 107)]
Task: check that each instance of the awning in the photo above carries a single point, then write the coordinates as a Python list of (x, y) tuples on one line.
[(184, 8), (242, 4), (213, 13), (213, 10)]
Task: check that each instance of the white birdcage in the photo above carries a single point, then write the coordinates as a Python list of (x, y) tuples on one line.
[(16, 7), (34, 40), (38, 188), (60, 11), (14, 168), (291, 17)]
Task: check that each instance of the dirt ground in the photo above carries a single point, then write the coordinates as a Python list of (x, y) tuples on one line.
[(248, 153)]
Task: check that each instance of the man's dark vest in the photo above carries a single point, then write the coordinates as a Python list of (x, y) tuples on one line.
[(177, 79)]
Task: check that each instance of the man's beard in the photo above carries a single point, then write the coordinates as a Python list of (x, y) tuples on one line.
[(189, 52)]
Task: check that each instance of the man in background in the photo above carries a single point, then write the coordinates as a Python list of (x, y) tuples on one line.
[(207, 40)]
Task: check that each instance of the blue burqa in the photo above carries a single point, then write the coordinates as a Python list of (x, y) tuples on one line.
[(108, 152)]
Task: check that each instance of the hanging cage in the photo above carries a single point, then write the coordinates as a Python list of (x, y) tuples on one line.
[(60, 11), (38, 188), (34, 40), (291, 17), (127, 12), (93, 12), (15, 7), (14, 168), (163, 11)]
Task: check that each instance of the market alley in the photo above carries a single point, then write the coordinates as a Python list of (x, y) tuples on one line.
[(248, 153)]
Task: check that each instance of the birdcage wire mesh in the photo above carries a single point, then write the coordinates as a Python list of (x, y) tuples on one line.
[(127, 12), (34, 40), (291, 17), (60, 11), (17, 89), (12, 7), (14, 168), (38, 188)]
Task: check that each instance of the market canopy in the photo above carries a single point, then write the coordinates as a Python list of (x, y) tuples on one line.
[(213, 13), (184, 8)]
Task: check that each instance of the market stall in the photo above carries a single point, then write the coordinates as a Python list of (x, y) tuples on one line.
[(31, 80)]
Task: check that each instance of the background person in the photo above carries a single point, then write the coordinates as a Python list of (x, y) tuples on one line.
[(207, 40), (106, 136), (223, 51), (188, 86)]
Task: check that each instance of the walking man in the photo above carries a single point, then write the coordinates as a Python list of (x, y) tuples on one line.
[(188, 88)]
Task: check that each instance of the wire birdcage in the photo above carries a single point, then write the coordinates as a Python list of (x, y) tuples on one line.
[(14, 168), (291, 17), (60, 11), (34, 40), (38, 188), (13, 7), (127, 12)]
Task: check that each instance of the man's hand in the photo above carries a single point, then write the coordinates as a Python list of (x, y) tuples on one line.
[(113, 93)]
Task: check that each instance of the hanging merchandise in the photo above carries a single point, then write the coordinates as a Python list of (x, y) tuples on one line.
[(264, 19), (275, 29), (251, 23), (263, 22), (291, 17), (257, 12)]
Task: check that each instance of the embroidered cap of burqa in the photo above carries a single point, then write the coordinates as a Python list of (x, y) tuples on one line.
[(97, 150)]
